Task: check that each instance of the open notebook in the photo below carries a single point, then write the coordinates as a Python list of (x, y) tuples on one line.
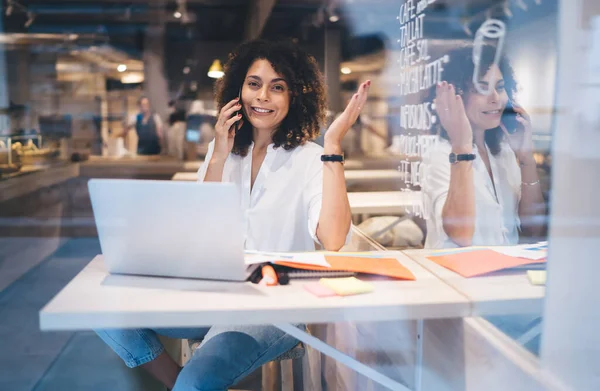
[(344, 264)]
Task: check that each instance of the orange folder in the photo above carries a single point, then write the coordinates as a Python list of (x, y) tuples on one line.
[(389, 267), (475, 263)]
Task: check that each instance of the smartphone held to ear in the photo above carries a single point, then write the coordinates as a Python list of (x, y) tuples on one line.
[(237, 124), (509, 118)]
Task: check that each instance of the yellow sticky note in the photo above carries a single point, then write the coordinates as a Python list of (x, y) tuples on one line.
[(346, 286), (537, 277)]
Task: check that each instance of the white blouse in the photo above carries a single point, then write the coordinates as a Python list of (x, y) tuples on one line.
[(496, 219), (282, 211)]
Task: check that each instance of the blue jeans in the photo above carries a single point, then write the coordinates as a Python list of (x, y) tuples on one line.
[(227, 353)]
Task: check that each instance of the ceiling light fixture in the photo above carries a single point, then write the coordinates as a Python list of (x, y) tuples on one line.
[(181, 11), (216, 70), (346, 70), (333, 16), (122, 68), (133, 78)]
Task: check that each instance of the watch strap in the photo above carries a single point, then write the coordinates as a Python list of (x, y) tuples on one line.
[(461, 157), (332, 158)]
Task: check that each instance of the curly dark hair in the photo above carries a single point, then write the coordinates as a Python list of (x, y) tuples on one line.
[(459, 72), (308, 100)]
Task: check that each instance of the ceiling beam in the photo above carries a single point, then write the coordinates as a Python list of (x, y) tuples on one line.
[(258, 14)]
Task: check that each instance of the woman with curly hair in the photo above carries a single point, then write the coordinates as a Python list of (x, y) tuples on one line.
[(480, 183), (271, 105), (276, 95)]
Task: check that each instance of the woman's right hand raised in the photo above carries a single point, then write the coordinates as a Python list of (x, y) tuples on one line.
[(452, 116), (225, 129)]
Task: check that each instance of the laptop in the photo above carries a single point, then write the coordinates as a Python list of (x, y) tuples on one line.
[(170, 229)]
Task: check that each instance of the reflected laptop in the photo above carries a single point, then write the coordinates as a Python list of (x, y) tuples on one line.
[(170, 229)]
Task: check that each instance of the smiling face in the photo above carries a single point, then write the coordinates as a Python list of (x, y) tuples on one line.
[(485, 111), (265, 96)]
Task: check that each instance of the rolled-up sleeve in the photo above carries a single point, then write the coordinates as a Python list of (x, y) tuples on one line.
[(313, 193)]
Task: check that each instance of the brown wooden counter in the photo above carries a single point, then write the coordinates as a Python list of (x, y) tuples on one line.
[(32, 178), (155, 167)]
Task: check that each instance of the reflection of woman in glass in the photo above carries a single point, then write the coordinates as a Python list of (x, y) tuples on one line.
[(481, 184), (290, 197)]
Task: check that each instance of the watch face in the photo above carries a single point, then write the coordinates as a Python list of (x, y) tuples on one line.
[(452, 158)]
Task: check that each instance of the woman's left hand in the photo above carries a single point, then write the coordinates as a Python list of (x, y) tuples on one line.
[(344, 122), (521, 141)]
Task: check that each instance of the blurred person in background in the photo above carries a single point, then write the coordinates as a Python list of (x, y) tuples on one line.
[(148, 127), (175, 136)]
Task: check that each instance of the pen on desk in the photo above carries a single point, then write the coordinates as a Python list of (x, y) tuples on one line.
[(282, 276), (269, 276)]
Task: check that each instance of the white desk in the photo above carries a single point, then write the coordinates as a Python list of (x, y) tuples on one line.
[(353, 177), (94, 299), (383, 202), (500, 293)]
